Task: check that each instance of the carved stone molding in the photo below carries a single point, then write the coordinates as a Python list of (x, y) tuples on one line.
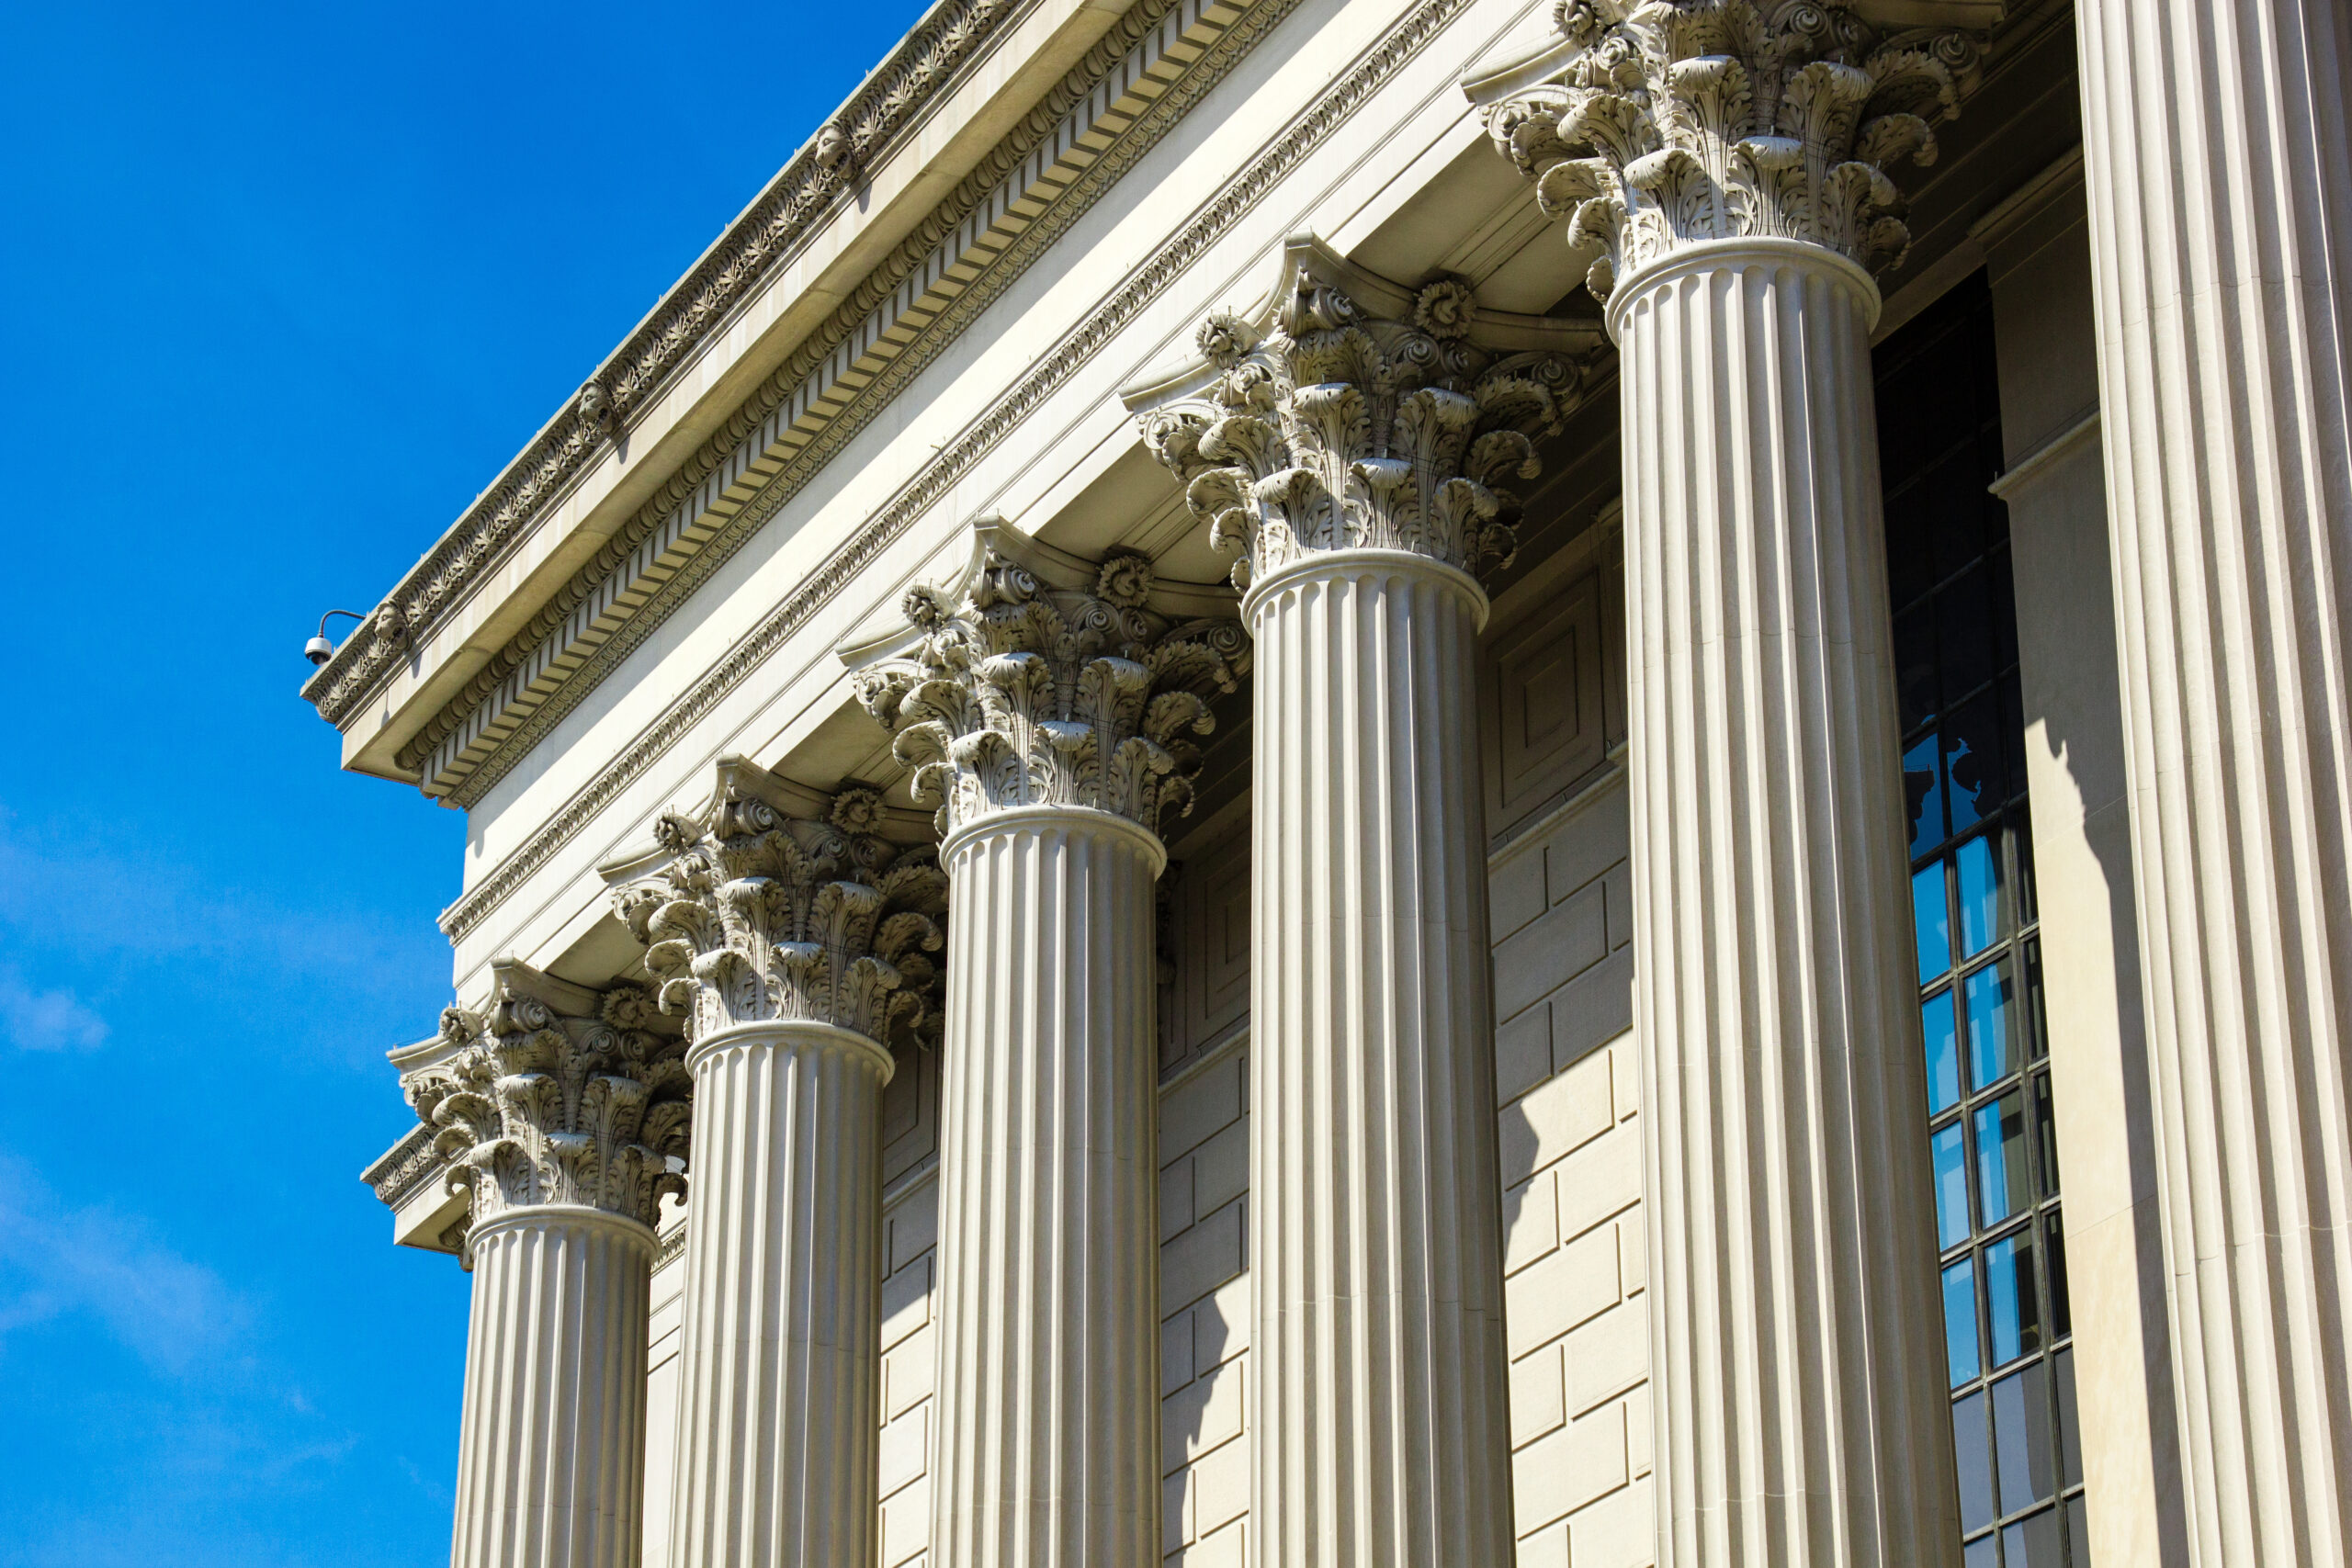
[(1682, 121), (558, 1094), (932, 59), (403, 1168), (760, 915), (1331, 109), (1041, 679), (1350, 412)]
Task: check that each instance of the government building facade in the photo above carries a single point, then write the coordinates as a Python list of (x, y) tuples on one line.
[(1425, 784)]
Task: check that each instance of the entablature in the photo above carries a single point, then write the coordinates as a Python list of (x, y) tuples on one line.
[(854, 222), (869, 542)]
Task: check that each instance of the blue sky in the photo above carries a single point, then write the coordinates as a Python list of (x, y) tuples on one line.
[(285, 286)]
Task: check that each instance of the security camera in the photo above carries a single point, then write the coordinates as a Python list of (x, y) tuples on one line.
[(318, 650)]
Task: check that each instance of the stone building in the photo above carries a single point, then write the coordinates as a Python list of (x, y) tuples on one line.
[(1425, 782)]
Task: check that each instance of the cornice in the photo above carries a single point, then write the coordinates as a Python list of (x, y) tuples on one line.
[(1309, 129), (936, 56), (956, 262)]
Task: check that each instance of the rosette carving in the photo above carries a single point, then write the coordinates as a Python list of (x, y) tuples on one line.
[(1336, 428), (557, 1095), (760, 916), (1021, 691), (1686, 120)]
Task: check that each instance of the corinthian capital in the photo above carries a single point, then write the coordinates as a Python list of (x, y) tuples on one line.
[(1044, 679), (1349, 411), (556, 1094), (1678, 121), (768, 907)]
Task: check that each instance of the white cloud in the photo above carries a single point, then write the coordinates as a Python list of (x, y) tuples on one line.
[(46, 1020), (56, 1260), (252, 949)]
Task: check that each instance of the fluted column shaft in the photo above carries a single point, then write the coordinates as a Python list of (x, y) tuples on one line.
[(1794, 1328), (1377, 1363), (778, 1404), (1049, 1409), (2221, 203), (551, 1446)]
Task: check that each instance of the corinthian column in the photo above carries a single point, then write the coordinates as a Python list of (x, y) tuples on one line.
[(1352, 440), (2221, 204), (563, 1116), (1721, 166), (1047, 707), (792, 945)]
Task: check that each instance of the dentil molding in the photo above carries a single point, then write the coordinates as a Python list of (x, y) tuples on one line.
[(932, 59), (1029, 188), (1142, 289)]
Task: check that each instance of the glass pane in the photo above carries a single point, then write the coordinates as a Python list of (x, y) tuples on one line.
[(2045, 1118), (2011, 1309), (2022, 1446), (2070, 1442), (2032, 1543), (1966, 645), (1972, 1450), (1915, 666), (1943, 1052), (1975, 786), (1986, 1553), (2037, 1036), (1949, 1152), (1990, 1056), (1910, 570), (1931, 920), (1960, 1320), (1980, 894), (2061, 1315), (2078, 1534), (2003, 1182), (1956, 513), (1922, 785), (2021, 850)]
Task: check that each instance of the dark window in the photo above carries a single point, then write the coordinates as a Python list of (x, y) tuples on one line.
[(1992, 1147)]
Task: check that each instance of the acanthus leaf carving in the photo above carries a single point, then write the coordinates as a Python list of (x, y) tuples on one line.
[(1021, 691), (1686, 120), (1332, 427), (760, 916), (557, 1095)]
